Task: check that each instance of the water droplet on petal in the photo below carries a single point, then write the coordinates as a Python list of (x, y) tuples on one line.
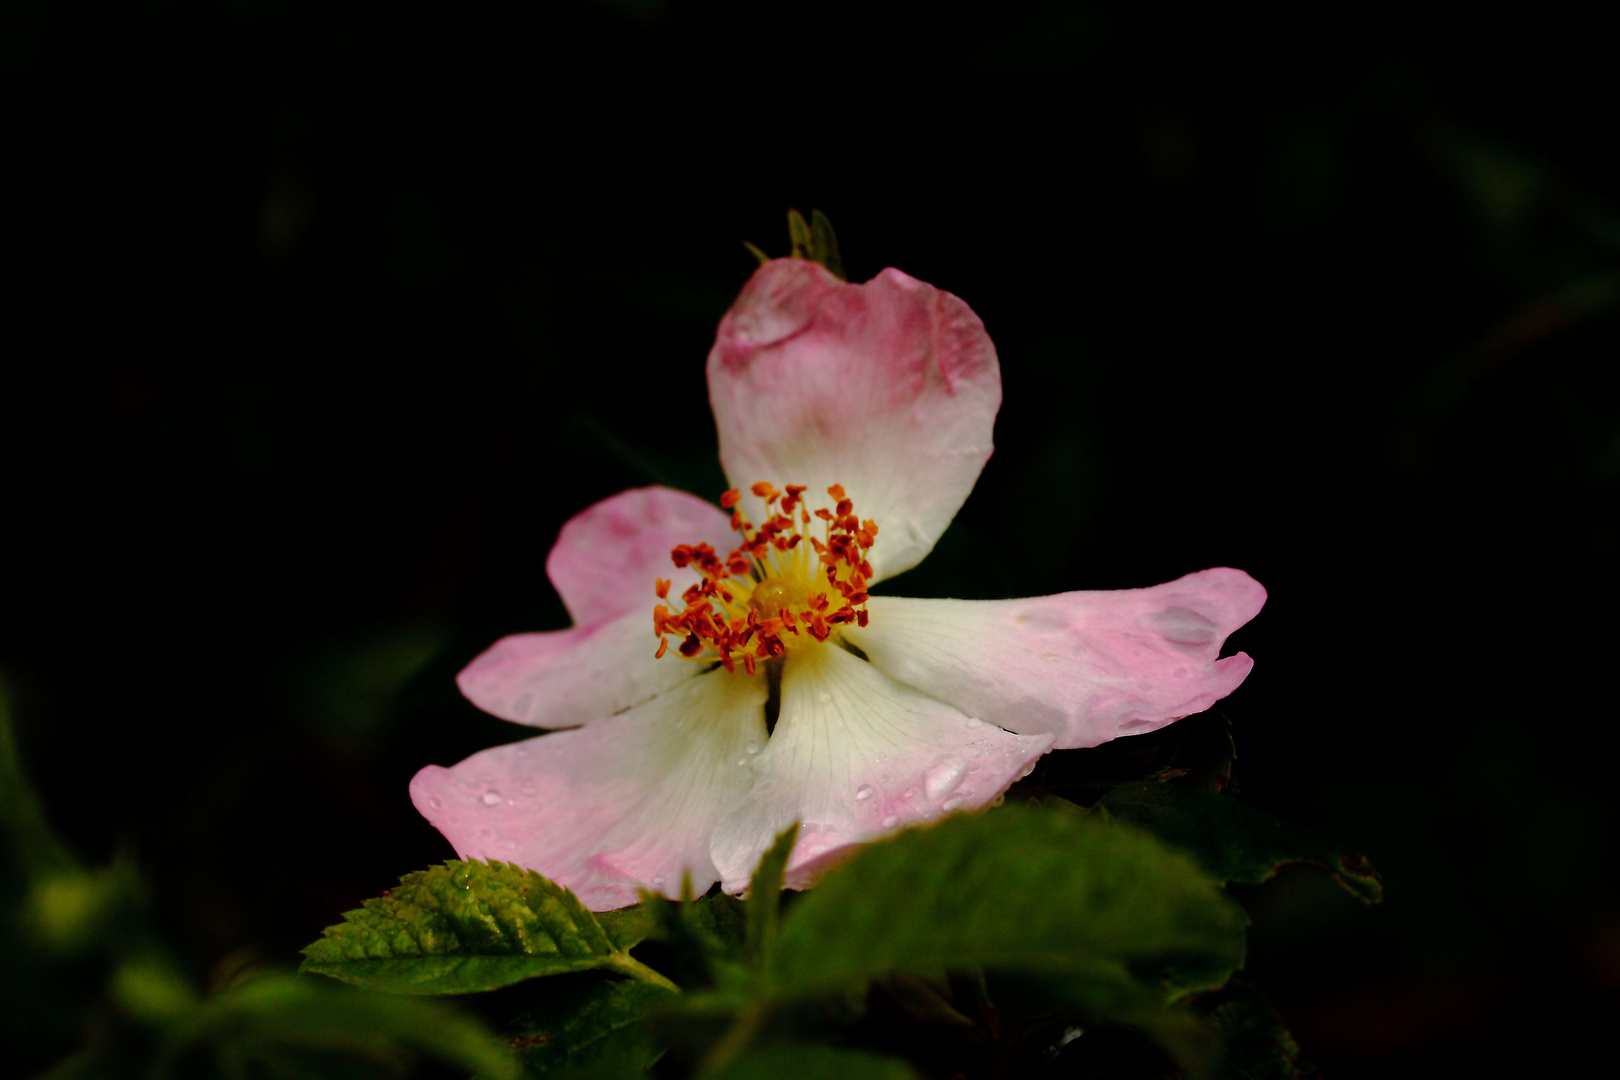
[(658, 879), (1027, 770), (435, 803), (511, 802), (891, 821), (998, 801), (752, 748), (943, 778), (908, 793), (492, 798), (952, 803), (863, 792)]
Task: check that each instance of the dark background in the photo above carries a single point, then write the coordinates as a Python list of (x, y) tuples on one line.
[(322, 317)]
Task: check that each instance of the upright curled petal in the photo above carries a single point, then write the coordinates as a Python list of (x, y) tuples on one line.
[(627, 802), (1085, 666), (889, 388), (854, 756)]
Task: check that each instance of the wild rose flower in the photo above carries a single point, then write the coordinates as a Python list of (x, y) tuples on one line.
[(876, 402)]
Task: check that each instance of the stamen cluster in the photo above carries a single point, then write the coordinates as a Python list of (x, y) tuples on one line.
[(767, 595)]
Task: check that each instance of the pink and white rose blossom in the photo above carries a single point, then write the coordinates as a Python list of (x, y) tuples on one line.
[(876, 402)]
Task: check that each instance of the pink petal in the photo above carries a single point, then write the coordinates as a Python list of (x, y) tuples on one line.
[(856, 755), (1085, 666), (605, 564), (608, 556), (628, 802), (889, 388), (561, 678)]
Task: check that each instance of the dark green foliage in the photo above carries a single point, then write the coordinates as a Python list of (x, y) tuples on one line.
[(1232, 841), (466, 927), (575, 1030), (1024, 889), (811, 1061), (765, 896)]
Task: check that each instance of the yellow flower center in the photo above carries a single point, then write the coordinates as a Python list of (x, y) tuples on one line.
[(774, 591)]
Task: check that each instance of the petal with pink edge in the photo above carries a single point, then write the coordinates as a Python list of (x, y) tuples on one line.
[(1084, 666), (855, 756), (625, 803), (562, 678), (608, 556), (889, 388)]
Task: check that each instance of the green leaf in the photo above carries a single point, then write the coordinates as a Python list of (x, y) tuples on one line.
[(278, 1020), (812, 1061), (765, 895), (1254, 1043), (466, 927), (594, 1029), (1020, 890), (1232, 841)]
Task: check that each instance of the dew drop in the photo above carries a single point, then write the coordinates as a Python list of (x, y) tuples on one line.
[(435, 803), (863, 792), (943, 778), (492, 798), (658, 879), (1027, 770), (891, 821), (999, 799), (952, 803), (511, 801), (752, 748), (908, 793)]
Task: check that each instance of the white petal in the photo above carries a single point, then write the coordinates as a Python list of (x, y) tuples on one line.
[(627, 802), (856, 755)]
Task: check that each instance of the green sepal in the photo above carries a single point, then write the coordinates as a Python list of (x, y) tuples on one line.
[(815, 241), (1233, 841), (465, 927)]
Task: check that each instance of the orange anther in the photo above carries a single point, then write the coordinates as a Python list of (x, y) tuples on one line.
[(844, 507), (663, 647), (765, 491), (691, 646), (661, 587), (730, 498), (836, 491), (748, 661)]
